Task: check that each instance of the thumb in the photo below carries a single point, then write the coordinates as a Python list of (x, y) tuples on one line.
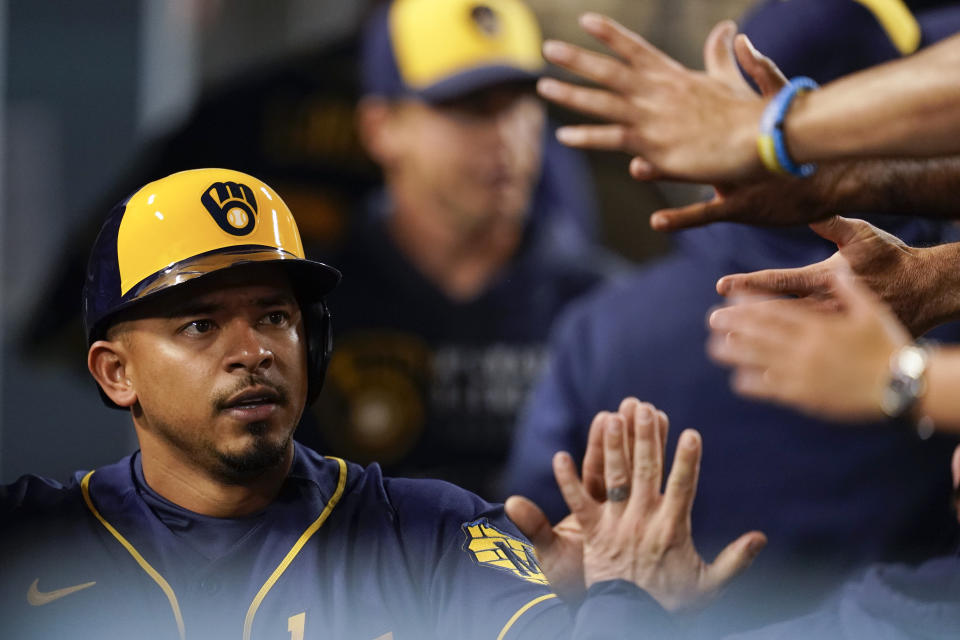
[(737, 556), (837, 229), (718, 55), (767, 76), (531, 521)]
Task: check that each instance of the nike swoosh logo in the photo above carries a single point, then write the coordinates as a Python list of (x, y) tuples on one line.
[(38, 598)]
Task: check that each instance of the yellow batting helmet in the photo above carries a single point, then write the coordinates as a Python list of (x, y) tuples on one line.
[(194, 223)]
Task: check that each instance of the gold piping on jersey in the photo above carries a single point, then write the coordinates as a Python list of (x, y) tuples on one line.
[(312, 529), (522, 610), (153, 573), (895, 18)]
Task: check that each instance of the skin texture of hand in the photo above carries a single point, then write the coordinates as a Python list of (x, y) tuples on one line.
[(912, 282), (560, 548), (646, 538), (681, 124), (832, 364)]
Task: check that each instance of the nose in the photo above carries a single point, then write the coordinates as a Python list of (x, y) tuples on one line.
[(247, 348)]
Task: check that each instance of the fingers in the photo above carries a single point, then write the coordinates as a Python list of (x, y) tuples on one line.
[(647, 457), (593, 66), (693, 215), (838, 229), (616, 470), (768, 78), (760, 349), (593, 459), (682, 481), (756, 316), (800, 281), (594, 102), (642, 170), (663, 427), (609, 137), (531, 521), (737, 556), (718, 57), (624, 42), (955, 467), (754, 382), (574, 494)]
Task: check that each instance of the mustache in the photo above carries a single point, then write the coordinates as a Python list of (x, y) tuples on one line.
[(221, 400)]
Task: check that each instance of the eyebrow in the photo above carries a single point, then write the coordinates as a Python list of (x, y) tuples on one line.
[(199, 308)]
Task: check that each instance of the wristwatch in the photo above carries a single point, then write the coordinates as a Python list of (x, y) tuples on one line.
[(908, 367)]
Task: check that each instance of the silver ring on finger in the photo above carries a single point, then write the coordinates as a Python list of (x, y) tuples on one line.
[(618, 494)]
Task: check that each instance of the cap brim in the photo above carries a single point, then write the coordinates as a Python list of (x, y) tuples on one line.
[(467, 82)]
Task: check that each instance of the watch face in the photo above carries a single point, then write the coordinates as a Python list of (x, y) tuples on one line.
[(895, 401)]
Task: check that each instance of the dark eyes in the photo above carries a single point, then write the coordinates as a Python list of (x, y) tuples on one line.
[(277, 318), (198, 327), (203, 326)]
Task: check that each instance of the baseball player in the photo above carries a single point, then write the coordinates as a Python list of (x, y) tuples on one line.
[(207, 324), (475, 221)]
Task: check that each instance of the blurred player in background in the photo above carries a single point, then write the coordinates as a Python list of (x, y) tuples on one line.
[(459, 265)]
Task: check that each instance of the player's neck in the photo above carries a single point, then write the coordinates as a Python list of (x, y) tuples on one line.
[(460, 262), (188, 485)]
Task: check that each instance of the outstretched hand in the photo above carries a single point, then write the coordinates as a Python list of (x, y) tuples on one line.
[(832, 364), (680, 124), (560, 547), (633, 531), (901, 276)]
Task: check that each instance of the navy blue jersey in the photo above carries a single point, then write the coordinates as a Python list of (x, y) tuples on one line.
[(341, 553), (430, 386)]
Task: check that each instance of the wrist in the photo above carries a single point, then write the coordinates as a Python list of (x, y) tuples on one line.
[(906, 382), (772, 140), (940, 286)]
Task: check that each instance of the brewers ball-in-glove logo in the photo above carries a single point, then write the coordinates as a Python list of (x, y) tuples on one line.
[(490, 547), (484, 17), (232, 205)]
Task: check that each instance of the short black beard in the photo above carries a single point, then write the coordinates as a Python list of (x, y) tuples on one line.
[(241, 468)]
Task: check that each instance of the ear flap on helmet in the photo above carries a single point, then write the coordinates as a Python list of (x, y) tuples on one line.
[(316, 322)]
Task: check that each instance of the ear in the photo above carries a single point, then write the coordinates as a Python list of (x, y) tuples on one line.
[(376, 124), (107, 361)]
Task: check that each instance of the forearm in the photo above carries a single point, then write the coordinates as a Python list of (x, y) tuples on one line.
[(925, 187), (909, 107)]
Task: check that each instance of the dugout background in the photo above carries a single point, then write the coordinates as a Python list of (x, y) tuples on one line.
[(92, 93)]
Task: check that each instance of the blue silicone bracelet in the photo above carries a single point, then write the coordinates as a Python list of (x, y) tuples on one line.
[(771, 126)]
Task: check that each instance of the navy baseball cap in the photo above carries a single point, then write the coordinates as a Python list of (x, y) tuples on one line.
[(439, 50)]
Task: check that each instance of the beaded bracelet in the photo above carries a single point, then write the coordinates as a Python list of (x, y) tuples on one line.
[(770, 142)]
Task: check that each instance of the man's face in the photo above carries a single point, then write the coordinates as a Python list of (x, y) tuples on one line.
[(478, 157), (219, 368)]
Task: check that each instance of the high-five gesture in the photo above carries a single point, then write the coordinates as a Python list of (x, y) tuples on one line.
[(639, 533)]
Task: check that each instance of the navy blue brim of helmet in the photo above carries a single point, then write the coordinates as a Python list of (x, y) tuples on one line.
[(311, 281)]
